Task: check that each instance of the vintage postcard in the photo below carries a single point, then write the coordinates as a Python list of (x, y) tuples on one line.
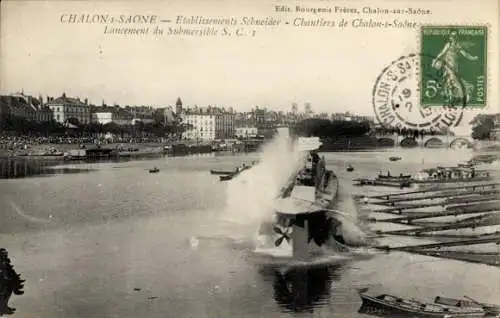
[(238, 158)]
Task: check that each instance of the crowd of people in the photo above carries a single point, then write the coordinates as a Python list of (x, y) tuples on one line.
[(10, 283), (9, 142)]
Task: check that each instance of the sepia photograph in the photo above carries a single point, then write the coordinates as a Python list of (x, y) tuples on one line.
[(238, 158)]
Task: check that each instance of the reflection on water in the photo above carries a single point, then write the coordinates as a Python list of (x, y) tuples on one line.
[(23, 168), (301, 289)]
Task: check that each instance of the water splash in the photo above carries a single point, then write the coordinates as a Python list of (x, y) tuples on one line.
[(250, 196)]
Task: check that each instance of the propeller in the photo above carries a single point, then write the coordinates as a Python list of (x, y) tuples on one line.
[(284, 235)]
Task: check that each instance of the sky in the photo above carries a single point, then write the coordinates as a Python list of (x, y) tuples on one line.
[(332, 68)]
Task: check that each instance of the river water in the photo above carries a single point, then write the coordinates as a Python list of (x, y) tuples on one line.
[(120, 242)]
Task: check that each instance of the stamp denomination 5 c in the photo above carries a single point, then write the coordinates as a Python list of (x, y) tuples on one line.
[(457, 73)]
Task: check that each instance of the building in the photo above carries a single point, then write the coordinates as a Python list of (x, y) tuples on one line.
[(178, 106), (208, 124), (224, 125), (105, 114), (246, 132), (37, 111), (25, 106), (66, 108), (165, 116), (14, 106), (201, 125), (144, 114)]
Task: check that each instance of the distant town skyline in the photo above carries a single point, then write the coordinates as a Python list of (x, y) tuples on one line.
[(275, 68), (301, 108)]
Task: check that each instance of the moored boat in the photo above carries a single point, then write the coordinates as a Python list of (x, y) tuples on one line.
[(394, 183), (489, 309), (388, 176), (451, 175), (226, 177), (386, 305), (232, 174), (222, 172)]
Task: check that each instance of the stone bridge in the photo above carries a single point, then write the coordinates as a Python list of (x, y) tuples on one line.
[(426, 142)]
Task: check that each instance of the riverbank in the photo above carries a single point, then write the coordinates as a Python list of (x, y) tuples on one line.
[(44, 150)]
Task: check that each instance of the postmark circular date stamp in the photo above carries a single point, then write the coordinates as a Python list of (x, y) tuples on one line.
[(396, 97)]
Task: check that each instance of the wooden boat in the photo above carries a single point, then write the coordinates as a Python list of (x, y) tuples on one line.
[(489, 309), (484, 158), (401, 177), (226, 177), (394, 158), (384, 183), (451, 175), (154, 170), (386, 305), (222, 172), (231, 175)]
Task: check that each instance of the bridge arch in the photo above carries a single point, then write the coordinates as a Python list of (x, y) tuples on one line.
[(434, 142), (408, 143), (385, 142), (461, 142)]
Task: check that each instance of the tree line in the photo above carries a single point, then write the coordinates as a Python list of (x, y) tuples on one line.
[(483, 126), (325, 128), (74, 128)]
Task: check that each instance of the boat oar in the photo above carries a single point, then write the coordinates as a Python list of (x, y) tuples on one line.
[(490, 309), (473, 300)]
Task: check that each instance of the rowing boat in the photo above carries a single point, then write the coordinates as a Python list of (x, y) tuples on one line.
[(226, 177), (222, 172), (490, 310), (386, 305), (231, 175)]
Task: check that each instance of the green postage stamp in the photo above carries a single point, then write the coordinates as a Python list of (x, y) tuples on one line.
[(453, 66)]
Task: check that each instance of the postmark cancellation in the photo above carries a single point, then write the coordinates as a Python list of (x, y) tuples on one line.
[(396, 101)]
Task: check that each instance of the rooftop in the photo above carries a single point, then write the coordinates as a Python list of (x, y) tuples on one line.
[(64, 100)]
